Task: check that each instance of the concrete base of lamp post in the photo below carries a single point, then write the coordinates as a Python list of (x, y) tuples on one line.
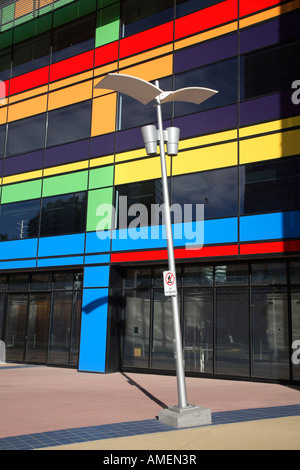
[(189, 416)]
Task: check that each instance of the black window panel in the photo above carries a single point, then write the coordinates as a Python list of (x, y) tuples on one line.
[(18, 282), (269, 71), (148, 193), (138, 15), (184, 7), (31, 54), (40, 281), (69, 124), (217, 190), (231, 274), (19, 220), (269, 187), (64, 214), (26, 135), (5, 64), (63, 281), (73, 38), (2, 139), (221, 76)]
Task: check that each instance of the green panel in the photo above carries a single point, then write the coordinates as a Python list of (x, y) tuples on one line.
[(65, 15), (21, 191), (108, 25), (64, 184), (105, 3), (33, 28), (101, 177), (8, 13), (96, 199), (6, 39), (87, 6)]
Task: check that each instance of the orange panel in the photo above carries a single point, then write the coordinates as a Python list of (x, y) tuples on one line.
[(157, 68), (27, 108), (23, 7), (104, 114), (70, 95)]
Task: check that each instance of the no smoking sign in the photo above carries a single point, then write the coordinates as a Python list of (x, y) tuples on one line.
[(169, 283)]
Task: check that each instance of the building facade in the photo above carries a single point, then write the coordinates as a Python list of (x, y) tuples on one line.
[(81, 274)]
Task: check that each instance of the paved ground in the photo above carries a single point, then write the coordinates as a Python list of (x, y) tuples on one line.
[(62, 409)]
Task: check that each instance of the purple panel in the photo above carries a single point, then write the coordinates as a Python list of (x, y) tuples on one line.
[(67, 153), (281, 29), (208, 121), (267, 108), (22, 163), (206, 53), (102, 145)]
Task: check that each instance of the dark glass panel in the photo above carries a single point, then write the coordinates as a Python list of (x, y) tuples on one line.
[(232, 331), (269, 187), (63, 214), (63, 281), (216, 190), (18, 282), (26, 135), (269, 71), (73, 38), (69, 124), (270, 341), (78, 279), (268, 273), (295, 308), (198, 275), (75, 328), (40, 281), (138, 277), (2, 303), (37, 329), (138, 15), (31, 54), (60, 329), (19, 220), (295, 272), (137, 328), (15, 327), (231, 274), (5, 64), (198, 330), (184, 7), (221, 76), (2, 138), (3, 283)]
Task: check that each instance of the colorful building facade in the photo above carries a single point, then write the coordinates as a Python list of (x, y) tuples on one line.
[(76, 295)]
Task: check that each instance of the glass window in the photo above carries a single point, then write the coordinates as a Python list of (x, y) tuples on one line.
[(268, 273), (158, 279), (184, 7), (40, 281), (69, 124), (75, 329), (221, 76), (63, 214), (26, 135), (19, 220), (295, 308), (269, 187), (15, 327), (63, 281), (73, 38), (295, 272), (3, 283), (231, 274), (37, 328), (216, 190), (198, 275), (198, 330), (137, 328), (138, 15), (138, 277), (2, 306), (2, 139), (31, 54), (18, 282), (269, 71), (270, 341), (5, 64), (232, 331)]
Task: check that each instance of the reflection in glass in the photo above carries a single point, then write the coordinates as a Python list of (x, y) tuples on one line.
[(198, 330), (19, 220), (37, 329), (40, 281), (270, 355), (198, 275), (75, 328), (137, 318), (63, 281), (232, 274), (295, 308), (138, 15), (138, 277), (31, 54), (268, 273), (184, 7), (26, 135), (2, 303), (232, 331), (295, 272), (18, 282), (15, 327), (60, 329)]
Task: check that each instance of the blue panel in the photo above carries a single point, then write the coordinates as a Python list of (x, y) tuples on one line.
[(24, 264), (93, 330), (97, 259), (96, 276), (95, 244), (62, 245), (64, 261), (270, 226), (220, 231), (18, 249)]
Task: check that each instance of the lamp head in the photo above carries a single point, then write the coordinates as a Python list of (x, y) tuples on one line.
[(173, 134), (149, 134)]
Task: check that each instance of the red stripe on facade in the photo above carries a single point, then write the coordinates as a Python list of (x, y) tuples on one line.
[(270, 247), (29, 80), (72, 66), (145, 40), (247, 8), (106, 54)]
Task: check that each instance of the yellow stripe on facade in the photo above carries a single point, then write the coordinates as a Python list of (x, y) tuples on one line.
[(267, 15), (30, 175), (68, 168), (271, 126), (101, 161)]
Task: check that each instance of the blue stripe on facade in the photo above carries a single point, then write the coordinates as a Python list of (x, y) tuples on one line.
[(270, 226), (61, 245), (18, 249), (63, 261)]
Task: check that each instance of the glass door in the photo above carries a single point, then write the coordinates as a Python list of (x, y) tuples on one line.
[(15, 327), (37, 329)]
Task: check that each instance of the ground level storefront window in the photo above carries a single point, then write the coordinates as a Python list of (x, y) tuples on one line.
[(237, 319)]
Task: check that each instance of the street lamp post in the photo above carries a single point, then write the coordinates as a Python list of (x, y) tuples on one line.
[(183, 414)]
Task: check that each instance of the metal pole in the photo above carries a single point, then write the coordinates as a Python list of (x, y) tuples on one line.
[(171, 264)]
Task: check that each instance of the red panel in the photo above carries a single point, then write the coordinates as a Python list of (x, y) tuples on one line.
[(270, 247), (29, 80), (106, 54), (180, 253), (246, 7), (71, 66), (146, 40), (207, 18)]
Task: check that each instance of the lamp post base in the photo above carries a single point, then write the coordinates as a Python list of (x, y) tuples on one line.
[(189, 416)]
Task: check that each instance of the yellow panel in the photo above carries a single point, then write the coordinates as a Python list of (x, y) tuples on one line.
[(27, 108), (152, 69), (207, 139), (270, 126), (104, 114), (145, 169), (205, 158), (22, 177), (70, 95), (100, 161), (71, 80), (131, 155), (66, 168), (206, 35), (28, 94), (153, 53), (281, 144)]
